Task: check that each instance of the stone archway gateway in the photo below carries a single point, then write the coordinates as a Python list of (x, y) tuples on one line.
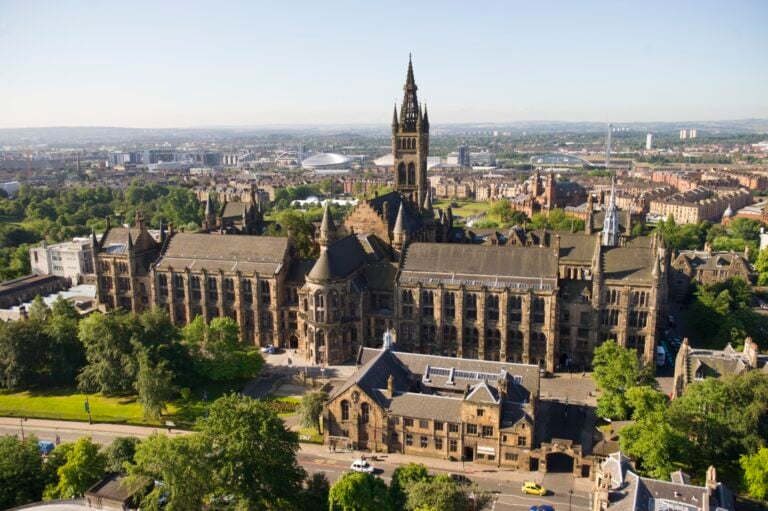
[(559, 462)]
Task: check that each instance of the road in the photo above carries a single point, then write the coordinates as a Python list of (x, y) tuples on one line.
[(505, 485)]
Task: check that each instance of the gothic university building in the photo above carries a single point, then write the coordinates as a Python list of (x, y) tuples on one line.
[(395, 262)]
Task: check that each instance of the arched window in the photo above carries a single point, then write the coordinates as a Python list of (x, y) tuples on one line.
[(401, 173), (365, 413), (515, 306), (492, 344), (319, 307), (492, 307), (449, 341), (471, 343), (470, 307), (407, 299), (427, 304), (411, 173), (514, 346), (333, 305), (345, 410), (449, 300)]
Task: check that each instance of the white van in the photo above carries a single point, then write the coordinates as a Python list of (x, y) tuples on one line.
[(661, 356)]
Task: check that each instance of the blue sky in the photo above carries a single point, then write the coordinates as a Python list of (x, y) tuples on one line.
[(180, 64)]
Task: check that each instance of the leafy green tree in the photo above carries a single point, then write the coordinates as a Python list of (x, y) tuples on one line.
[(644, 401), (314, 496), (311, 407), (616, 369), (21, 471), (755, 468), (154, 385), (251, 453), (56, 459), (358, 491), (217, 352), (180, 465), (66, 353), (761, 265), (111, 366), (300, 229), (119, 453), (441, 492), (402, 477), (659, 447), (23, 352), (84, 467)]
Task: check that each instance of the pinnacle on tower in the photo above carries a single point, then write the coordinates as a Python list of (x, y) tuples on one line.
[(400, 222), (428, 202), (425, 121), (327, 228), (409, 112)]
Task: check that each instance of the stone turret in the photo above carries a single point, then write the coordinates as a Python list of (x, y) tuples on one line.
[(400, 233), (327, 229)]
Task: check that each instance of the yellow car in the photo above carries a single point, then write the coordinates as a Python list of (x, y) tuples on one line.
[(532, 488)]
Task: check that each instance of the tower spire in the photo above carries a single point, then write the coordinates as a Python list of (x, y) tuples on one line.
[(409, 112), (611, 222)]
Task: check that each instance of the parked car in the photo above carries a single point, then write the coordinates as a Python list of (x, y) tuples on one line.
[(542, 507), (532, 488), (461, 479), (266, 348), (360, 465), (45, 446)]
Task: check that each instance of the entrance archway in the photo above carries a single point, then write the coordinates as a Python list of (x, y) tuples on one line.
[(293, 342), (559, 462), (469, 454)]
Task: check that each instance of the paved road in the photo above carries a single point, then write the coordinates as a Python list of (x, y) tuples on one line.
[(505, 485), (507, 492)]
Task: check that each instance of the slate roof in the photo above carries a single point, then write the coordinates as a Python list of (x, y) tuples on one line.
[(248, 254), (417, 364), (490, 265), (634, 493), (373, 375), (412, 217), (628, 264), (116, 241), (426, 406), (715, 261), (339, 260), (576, 247), (234, 210)]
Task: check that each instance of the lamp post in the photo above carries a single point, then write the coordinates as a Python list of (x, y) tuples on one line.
[(570, 495), (21, 423)]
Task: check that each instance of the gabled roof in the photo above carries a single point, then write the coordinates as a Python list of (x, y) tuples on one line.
[(248, 254), (482, 393), (505, 266), (411, 218)]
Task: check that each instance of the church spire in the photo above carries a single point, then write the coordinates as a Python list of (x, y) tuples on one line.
[(425, 121), (611, 222), (327, 228), (409, 112)]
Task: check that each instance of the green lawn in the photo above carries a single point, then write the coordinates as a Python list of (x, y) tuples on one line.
[(466, 208), (64, 404), (68, 404)]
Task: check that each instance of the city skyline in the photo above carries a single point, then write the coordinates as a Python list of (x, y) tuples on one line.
[(187, 66)]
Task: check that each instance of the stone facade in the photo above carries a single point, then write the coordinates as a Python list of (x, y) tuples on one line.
[(707, 267), (436, 406)]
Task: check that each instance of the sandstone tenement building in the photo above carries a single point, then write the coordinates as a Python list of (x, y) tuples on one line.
[(533, 297)]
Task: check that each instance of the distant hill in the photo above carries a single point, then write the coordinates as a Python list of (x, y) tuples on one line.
[(63, 135)]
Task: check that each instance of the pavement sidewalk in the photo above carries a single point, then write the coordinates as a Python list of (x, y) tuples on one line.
[(119, 429), (442, 465)]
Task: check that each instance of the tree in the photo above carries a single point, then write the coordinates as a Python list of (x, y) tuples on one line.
[(119, 453), (21, 471), (66, 354), (761, 265), (251, 453), (154, 385), (401, 477), (311, 407), (359, 491), (179, 464), (23, 352), (111, 367), (644, 401), (314, 496), (755, 468), (217, 352), (659, 447), (616, 369), (84, 467), (441, 492)]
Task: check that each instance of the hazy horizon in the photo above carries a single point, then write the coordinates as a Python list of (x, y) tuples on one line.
[(235, 65)]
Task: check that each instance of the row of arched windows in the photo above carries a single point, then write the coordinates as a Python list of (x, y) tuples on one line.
[(447, 344), (406, 178), (492, 307), (365, 412), (406, 143)]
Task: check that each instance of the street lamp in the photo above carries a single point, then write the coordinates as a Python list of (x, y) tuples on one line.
[(570, 495), (21, 423)]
